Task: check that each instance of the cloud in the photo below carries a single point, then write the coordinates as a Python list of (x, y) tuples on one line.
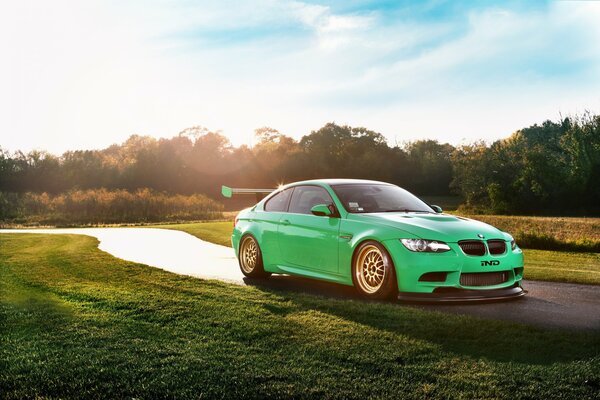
[(87, 74)]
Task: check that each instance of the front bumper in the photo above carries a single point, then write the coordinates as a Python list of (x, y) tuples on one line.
[(412, 270), (456, 295)]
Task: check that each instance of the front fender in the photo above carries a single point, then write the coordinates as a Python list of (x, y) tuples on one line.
[(353, 233)]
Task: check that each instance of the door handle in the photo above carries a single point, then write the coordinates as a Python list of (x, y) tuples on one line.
[(285, 222)]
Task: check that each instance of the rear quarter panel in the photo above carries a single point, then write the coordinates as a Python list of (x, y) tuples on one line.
[(263, 226)]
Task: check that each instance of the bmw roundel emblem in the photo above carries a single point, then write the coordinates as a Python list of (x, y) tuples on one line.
[(480, 236)]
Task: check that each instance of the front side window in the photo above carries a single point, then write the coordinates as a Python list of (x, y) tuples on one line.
[(279, 202), (372, 198), (306, 197)]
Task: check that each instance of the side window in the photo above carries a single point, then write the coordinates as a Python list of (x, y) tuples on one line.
[(278, 203), (306, 197)]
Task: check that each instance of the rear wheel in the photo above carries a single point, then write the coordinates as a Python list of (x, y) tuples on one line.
[(373, 272), (250, 258)]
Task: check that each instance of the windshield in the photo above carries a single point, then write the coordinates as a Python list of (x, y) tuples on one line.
[(373, 198)]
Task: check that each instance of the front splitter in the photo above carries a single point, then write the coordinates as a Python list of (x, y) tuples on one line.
[(464, 295)]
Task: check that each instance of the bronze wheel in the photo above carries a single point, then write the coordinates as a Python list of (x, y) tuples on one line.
[(373, 272), (248, 254), (250, 258), (369, 269)]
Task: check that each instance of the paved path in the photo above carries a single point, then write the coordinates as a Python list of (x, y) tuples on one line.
[(548, 304), (171, 250)]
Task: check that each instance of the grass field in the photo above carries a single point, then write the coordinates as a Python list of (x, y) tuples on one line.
[(214, 232), (102, 206), (543, 233), (77, 322), (559, 266), (548, 233), (540, 265)]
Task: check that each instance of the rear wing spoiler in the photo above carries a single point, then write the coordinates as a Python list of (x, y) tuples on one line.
[(260, 193)]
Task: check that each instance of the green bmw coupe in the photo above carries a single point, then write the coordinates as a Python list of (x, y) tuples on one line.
[(377, 237)]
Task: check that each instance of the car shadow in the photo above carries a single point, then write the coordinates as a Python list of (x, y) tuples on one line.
[(304, 285), (505, 338)]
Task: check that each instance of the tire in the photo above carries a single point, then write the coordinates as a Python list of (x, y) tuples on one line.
[(250, 258), (373, 272)]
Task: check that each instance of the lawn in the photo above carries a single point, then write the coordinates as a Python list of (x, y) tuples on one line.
[(541, 265), (77, 322), (214, 232), (558, 266)]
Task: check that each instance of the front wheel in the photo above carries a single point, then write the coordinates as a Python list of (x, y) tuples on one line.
[(250, 258), (373, 272)]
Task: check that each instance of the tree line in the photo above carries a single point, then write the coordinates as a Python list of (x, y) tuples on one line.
[(549, 168)]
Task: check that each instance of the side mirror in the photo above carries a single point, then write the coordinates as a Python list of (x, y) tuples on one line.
[(321, 210), (437, 209)]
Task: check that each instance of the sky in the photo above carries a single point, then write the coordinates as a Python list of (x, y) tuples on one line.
[(87, 74)]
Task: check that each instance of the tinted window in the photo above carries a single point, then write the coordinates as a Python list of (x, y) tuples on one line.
[(370, 198), (306, 197), (279, 202)]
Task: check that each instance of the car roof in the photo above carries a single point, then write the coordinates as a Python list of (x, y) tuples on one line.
[(335, 182)]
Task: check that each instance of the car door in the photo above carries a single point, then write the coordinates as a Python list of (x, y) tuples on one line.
[(269, 218), (306, 240)]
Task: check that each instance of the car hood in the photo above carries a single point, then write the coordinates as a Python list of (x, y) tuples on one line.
[(444, 227)]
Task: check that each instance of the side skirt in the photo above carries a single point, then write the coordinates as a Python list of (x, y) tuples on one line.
[(283, 269)]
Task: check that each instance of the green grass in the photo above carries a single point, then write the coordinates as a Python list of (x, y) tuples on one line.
[(558, 266), (539, 265), (77, 322), (214, 232)]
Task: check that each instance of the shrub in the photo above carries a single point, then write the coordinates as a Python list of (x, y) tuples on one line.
[(543, 241), (101, 206)]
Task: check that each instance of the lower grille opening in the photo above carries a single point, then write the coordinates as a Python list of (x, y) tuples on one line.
[(433, 277), (484, 278), (472, 247), (518, 271)]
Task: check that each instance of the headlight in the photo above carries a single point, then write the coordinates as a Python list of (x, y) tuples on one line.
[(513, 244), (425, 246)]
